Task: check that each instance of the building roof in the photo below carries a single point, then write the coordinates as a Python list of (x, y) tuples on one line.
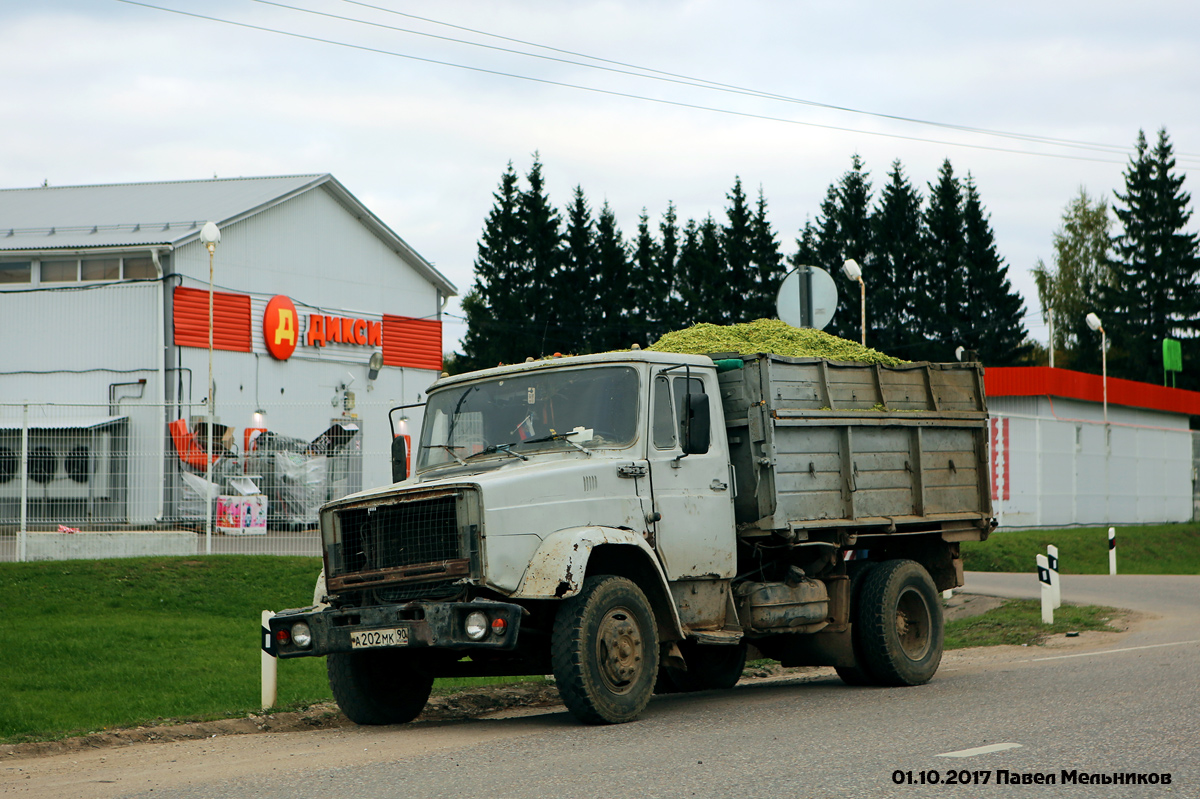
[(167, 213), (1039, 381)]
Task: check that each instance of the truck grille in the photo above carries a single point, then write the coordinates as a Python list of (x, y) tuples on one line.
[(415, 540)]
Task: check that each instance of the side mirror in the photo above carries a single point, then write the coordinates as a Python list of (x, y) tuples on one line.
[(697, 434), (399, 459)]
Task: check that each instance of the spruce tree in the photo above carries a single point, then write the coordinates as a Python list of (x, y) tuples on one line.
[(494, 307), (670, 314), (650, 285), (943, 311), (736, 300), (576, 286), (541, 239), (898, 268), (767, 262), (700, 272), (616, 297), (993, 310), (1154, 294)]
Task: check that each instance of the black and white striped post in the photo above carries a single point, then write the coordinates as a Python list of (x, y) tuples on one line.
[(1112, 550), (1055, 580), (1043, 571)]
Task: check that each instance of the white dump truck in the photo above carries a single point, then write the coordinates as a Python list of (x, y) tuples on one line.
[(638, 521)]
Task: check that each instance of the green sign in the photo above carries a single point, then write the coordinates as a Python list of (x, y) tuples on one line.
[(1172, 355), (1172, 358)]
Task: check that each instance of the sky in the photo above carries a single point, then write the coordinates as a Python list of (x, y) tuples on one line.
[(420, 128)]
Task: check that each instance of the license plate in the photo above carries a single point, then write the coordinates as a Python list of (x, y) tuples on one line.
[(372, 638)]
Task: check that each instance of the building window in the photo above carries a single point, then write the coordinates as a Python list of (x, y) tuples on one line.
[(16, 272), (100, 269), (60, 271), (139, 269)]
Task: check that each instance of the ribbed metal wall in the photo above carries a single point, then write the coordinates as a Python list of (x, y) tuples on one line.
[(114, 326), (1067, 467)]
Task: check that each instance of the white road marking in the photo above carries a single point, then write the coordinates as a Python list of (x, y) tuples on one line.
[(980, 750), (1112, 651)]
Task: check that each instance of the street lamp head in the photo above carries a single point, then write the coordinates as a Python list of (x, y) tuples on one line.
[(1093, 322), (851, 269), (210, 235)]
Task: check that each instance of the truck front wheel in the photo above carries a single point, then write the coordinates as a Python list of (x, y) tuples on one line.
[(605, 651), (378, 686), (902, 630)]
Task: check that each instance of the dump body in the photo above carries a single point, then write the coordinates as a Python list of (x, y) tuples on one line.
[(819, 444)]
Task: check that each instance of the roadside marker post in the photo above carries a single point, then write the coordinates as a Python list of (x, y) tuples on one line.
[(1112, 550), (1055, 579), (1043, 572), (269, 662)]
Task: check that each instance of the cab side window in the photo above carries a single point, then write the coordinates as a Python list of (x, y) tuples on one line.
[(684, 386), (664, 415)]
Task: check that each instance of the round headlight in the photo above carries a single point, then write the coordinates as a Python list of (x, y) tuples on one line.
[(301, 635), (477, 625)]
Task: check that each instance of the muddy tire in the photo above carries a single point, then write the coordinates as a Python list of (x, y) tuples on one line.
[(902, 630), (605, 651), (379, 686), (857, 674)]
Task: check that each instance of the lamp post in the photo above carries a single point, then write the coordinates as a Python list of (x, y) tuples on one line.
[(1093, 322), (209, 236), (852, 270)]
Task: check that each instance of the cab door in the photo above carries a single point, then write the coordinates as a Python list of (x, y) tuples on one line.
[(693, 493)]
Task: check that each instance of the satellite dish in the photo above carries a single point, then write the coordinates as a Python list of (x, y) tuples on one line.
[(807, 298)]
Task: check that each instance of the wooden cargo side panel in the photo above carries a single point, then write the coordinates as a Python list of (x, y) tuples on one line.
[(852, 387), (808, 474), (957, 389), (951, 471), (907, 389), (882, 471)]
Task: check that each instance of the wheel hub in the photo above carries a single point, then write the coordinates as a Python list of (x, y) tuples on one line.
[(619, 650), (914, 624)]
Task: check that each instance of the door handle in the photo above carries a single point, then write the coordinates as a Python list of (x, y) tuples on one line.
[(717, 485)]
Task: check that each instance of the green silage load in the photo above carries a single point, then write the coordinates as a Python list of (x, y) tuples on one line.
[(769, 336)]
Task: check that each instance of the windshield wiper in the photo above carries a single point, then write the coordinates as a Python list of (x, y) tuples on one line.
[(558, 437), (505, 448), (449, 448)]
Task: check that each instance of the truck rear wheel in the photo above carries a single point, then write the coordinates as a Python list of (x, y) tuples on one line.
[(378, 686), (605, 647), (901, 624), (857, 674)]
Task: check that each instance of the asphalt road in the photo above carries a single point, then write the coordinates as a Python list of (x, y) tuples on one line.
[(1103, 704)]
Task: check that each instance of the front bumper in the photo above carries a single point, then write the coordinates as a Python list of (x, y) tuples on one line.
[(428, 625)]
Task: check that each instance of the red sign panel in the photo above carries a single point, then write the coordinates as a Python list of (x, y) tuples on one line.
[(415, 343), (281, 327), (231, 319)]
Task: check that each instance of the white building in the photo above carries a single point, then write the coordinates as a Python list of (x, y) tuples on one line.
[(104, 295), (1056, 461)]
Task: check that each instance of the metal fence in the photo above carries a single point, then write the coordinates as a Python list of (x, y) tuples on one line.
[(122, 476)]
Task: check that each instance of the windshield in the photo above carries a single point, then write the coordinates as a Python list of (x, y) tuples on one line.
[(530, 412)]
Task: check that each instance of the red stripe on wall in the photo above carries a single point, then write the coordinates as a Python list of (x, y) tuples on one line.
[(415, 343), (1035, 381), (231, 319)]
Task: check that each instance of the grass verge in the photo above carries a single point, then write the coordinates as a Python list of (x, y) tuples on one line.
[(1019, 621), (1153, 549), (88, 645)]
